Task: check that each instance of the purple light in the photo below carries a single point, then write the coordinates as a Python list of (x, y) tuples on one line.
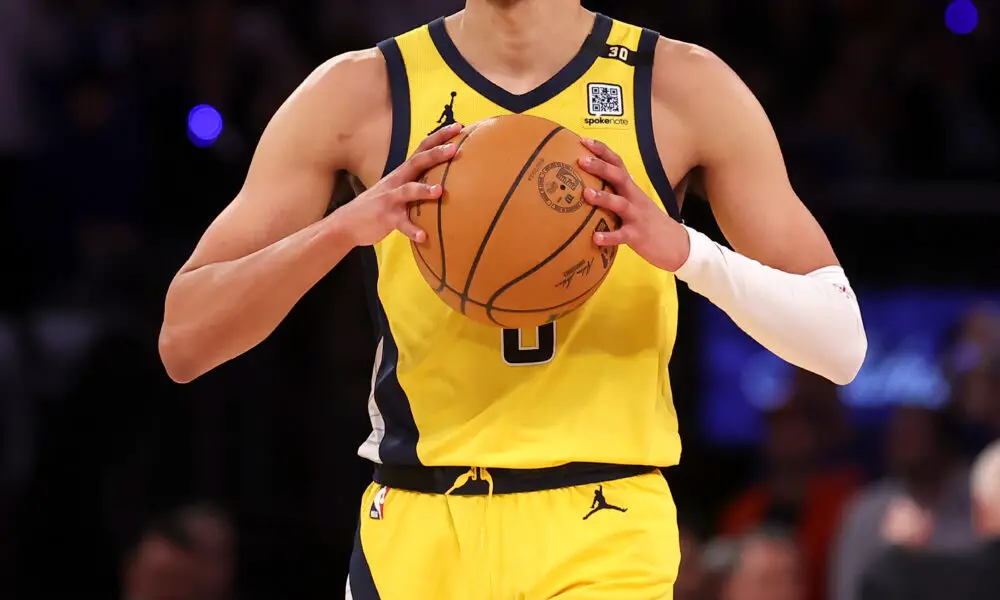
[(204, 125), (961, 17)]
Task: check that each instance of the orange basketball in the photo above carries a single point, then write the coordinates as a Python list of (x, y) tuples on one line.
[(510, 242)]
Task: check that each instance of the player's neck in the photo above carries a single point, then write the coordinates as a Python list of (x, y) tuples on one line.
[(521, 42)]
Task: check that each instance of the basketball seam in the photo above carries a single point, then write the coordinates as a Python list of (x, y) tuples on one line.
[(534, 269), (500, 209), (516, 311), (524, 311), (440, 207), (444, 176), (551, 308)]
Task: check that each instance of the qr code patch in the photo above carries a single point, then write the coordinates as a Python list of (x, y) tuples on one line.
[(605, 99)]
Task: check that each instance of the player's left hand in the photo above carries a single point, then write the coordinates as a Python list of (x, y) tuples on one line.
[(645, 227)]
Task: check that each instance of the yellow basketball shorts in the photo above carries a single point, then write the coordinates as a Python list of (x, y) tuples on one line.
[(608, 540)]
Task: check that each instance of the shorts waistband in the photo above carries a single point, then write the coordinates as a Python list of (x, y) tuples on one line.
[(439, 480)]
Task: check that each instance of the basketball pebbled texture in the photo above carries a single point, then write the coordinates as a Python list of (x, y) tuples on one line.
[(510, 242)]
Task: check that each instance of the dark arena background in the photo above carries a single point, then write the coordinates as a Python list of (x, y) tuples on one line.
[(127, 125)]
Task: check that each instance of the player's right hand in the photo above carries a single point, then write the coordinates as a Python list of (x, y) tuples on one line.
[(376, 212)]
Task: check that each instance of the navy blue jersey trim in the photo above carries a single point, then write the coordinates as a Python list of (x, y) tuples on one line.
[(399, 89), (643, 89), (399, 442), (518, 103), (360, 575)]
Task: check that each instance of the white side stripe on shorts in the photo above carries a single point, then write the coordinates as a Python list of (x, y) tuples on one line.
[(369, 449)]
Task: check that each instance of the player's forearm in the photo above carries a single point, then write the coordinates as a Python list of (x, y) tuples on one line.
[(219, 311), (812, 321)]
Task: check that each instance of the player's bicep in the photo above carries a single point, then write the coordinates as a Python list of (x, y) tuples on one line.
[(746, 181), (278, 199), (291, 177)]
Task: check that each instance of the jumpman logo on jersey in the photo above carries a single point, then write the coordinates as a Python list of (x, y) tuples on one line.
[(601, 504), (447, 115)]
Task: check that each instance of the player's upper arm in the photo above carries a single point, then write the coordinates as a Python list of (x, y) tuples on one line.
[(314, 134), (743, 169)]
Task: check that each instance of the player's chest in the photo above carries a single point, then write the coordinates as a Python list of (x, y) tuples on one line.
[(604, 109), (590, 108)]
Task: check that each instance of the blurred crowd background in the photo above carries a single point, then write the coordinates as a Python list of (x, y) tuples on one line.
[(111, 477)]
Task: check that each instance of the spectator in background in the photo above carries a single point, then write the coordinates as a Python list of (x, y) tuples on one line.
[(973, 364), (159, 568), (796, 493), (690, 582), (907, 572), (718, 560), (768, 567), (211, 542), (189, 555), (922, 466), (836, 443), (977, 400)]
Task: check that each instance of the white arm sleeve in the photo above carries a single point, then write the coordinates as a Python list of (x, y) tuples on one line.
[(812, 321)]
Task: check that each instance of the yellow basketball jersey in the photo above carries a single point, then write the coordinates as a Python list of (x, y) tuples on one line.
[(590, 387)]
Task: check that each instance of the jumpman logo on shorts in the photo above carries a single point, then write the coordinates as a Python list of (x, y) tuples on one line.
[(601, 504), (447, 115)]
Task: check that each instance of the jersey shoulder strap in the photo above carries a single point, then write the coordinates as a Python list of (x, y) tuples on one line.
[(622, 44), (626, 70), (399, 92)]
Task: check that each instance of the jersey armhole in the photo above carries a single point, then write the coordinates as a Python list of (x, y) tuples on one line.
[(643, 87), (399, 93)]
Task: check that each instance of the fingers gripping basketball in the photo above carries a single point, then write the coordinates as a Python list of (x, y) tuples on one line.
[(510, 242)]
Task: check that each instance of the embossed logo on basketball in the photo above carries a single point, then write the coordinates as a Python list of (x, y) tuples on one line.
[(579, 270), (561, 187)]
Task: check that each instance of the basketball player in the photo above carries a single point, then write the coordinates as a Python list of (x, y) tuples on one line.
[(492, 448)]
